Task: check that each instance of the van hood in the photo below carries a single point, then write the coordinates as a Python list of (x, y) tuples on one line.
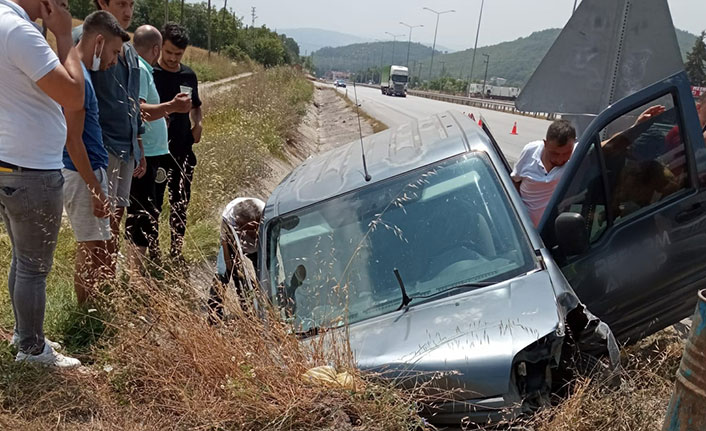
[(471, 337)]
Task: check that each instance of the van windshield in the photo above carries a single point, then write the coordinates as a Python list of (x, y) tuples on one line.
[(441, 226)]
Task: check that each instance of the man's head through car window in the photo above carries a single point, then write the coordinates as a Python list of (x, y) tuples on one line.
[(559, 143)]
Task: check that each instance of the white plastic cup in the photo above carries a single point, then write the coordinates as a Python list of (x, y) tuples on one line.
[(185, 89)]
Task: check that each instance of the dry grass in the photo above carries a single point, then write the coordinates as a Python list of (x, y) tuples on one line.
[(165, 367), (639, 403)]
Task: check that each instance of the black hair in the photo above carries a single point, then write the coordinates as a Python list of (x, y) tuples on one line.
[(561, 132), (104, 23), (176, 34)]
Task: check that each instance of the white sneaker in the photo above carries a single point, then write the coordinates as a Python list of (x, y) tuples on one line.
[(49, 357), (16, 342)]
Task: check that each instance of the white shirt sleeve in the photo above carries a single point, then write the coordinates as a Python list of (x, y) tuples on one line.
[(29, 52), (522, 161)]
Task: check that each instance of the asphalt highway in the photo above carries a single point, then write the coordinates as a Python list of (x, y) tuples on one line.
[(396, 111)]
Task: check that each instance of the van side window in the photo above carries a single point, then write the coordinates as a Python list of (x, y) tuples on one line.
[(586, 195), (645, 159)]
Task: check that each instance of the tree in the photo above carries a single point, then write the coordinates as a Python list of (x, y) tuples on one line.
[(81, 8), (696, 62)]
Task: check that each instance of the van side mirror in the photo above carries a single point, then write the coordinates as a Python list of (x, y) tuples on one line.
[(571, 234)]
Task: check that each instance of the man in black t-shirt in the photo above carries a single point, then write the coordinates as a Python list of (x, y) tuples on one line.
[(176, 170)]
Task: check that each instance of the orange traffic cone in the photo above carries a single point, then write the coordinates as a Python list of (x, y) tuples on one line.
[(514, 129), (471, 116)]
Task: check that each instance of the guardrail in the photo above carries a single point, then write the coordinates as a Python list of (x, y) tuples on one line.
[(495, 105)]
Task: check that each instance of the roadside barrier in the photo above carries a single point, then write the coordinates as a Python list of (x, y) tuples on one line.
[(494, 105)]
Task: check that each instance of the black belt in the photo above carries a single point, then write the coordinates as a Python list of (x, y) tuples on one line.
[(9, 167)]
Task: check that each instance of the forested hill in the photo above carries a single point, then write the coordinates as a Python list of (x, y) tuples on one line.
[(514, 60), (360, 56)]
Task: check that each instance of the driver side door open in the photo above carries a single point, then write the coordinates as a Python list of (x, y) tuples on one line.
[(627, 223)]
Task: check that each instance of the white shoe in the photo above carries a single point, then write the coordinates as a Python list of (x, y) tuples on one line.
[(16, 342), (49, 357)]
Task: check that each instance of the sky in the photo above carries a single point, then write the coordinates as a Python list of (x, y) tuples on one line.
[(503, 20)]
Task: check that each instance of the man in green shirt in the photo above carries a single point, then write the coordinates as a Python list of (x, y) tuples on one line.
[(141, 226)]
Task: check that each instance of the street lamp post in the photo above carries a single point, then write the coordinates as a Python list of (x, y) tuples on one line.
[(475, 47), (436, 29), (382, 53), (394, 39), (409, 42), (487, 61)]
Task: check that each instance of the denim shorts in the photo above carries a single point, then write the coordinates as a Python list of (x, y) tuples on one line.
[(119, 180)]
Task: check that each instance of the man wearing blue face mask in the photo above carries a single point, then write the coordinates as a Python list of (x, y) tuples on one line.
[(117, 91), (86, 158)]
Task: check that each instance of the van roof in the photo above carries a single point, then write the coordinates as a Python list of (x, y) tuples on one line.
[(387, 153)]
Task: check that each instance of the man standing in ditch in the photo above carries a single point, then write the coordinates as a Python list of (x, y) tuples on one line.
[(118, 92), (141, 226), (172, 78)]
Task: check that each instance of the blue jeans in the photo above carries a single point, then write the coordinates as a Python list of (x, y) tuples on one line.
[(31, 204)]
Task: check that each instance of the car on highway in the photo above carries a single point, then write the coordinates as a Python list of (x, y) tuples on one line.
[(427, 261), (339, 83)]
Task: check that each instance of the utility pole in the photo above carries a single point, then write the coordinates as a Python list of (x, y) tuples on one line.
[(487, 61), (475, 47), (409, 42), (433, 48), (209, 28), (166, 11), (253, 15), (419, 75), (412, 69), (443, 68), (394, 39)]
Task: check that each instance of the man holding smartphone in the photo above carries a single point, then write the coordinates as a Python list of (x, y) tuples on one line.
[(171, 78)]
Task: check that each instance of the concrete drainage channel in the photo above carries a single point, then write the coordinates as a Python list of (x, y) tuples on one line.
[(495, 105)]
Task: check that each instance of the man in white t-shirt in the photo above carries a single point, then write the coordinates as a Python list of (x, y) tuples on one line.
[(35, 84), (240, 224), (541, 165)]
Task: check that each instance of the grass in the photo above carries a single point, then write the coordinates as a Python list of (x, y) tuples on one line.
[(213, 67), (640, 403)]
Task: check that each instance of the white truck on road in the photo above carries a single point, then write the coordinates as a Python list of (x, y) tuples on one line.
[(393, 81)]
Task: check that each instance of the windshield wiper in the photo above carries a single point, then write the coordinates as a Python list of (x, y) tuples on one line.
[(314, 330), (406, 299)]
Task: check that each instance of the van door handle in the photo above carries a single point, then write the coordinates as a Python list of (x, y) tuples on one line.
[(696, 210)]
